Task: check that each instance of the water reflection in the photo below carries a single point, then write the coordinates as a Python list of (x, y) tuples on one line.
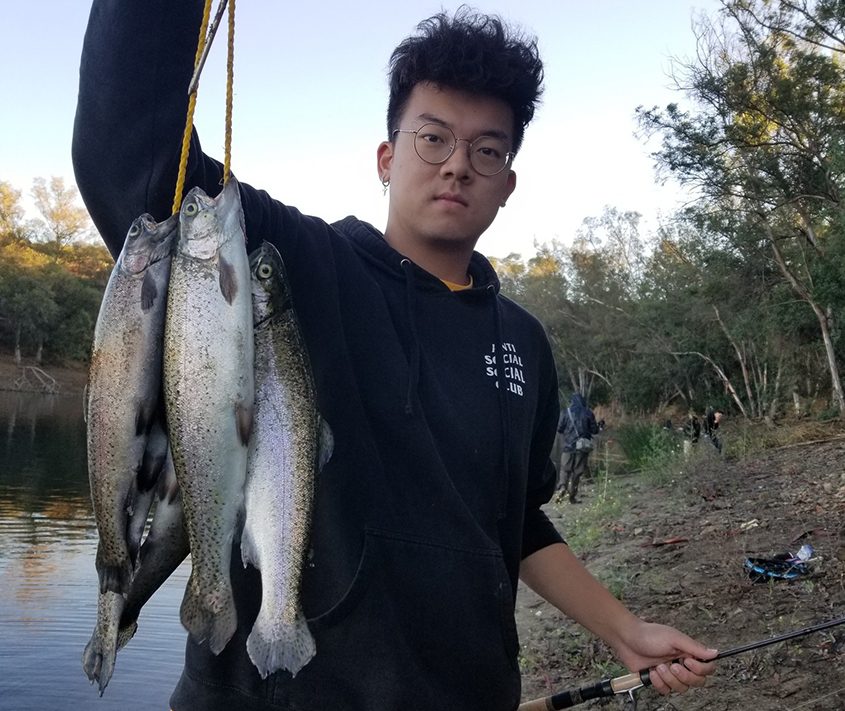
[(49, 584)]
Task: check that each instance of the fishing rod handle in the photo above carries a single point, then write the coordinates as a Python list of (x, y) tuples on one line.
[(629, 682), (544, 704), (573, 697)]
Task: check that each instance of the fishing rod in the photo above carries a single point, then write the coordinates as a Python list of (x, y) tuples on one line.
[(629, 683), (212, 31)]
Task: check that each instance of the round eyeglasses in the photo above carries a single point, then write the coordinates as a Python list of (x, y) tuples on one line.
[(435, 144)]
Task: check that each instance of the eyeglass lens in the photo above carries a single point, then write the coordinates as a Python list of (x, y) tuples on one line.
[(487, 154)]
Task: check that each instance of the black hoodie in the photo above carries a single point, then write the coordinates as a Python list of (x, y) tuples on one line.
[(443, 407)]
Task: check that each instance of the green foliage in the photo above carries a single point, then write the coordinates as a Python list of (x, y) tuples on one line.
[(737, 301), (651, 450), (50, 291), (587, 523)]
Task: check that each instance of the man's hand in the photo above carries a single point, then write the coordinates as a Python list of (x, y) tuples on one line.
[(677, 662), (558, 576)]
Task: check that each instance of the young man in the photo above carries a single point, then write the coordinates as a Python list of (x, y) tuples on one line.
[(441, 393)]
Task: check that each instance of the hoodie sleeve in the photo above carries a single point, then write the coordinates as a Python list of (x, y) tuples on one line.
[(137, 61), (538, 530)]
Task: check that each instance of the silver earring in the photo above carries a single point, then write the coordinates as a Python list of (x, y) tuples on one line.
[(385, 182)]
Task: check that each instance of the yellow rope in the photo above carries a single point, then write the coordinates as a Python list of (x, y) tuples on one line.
[(230, 80), (192, 102)]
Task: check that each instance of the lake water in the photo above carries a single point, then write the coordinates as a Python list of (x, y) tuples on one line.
[(48, 584)]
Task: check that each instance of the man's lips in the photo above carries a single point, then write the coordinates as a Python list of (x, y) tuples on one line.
[(451, 197)]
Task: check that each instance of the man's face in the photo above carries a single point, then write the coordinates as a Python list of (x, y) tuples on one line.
[(449, 202)]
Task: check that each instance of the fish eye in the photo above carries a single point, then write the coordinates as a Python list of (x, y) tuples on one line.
[(135, 230), (264, 271), (191, 209)]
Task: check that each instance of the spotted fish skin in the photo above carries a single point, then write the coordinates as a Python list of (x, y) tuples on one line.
[(123, 393), (289, 444), (164, 548), (208, 385)]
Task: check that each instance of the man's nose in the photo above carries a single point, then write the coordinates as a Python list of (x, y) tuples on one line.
[(459, 162)]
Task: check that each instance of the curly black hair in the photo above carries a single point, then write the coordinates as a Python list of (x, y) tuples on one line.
[(470, 52)]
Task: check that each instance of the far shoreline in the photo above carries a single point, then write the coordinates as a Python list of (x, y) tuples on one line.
[(70, 378)]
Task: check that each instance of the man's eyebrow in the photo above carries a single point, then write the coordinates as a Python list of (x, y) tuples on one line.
[(492, 133)]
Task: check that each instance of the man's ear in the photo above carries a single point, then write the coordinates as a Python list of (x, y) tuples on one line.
[(510, 186), (384, 160)]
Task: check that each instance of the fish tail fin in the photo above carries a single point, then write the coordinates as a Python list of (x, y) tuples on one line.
[(274, 645), (98, 662), (99, 655), (211, 617)]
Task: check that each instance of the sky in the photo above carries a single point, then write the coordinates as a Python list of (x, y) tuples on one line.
[(311, 93)]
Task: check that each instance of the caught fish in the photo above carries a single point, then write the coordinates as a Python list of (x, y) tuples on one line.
[(152, 466), (123, 393), (208, 385), (290, 442), (164, 548)]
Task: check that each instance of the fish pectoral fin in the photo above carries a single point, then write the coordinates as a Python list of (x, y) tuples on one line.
[(244, 421), (149, 291), (144, 417), (228, 281), (326, 444), (249, 552)]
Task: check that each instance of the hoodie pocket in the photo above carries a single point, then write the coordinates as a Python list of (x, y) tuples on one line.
[(423, 626)]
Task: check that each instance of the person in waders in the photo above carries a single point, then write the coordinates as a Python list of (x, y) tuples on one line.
[(576, 427), (441, 392)]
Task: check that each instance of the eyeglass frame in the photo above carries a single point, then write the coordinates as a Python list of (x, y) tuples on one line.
[(509, 155)]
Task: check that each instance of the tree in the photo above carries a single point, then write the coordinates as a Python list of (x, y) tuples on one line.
[(64, 220), (766, 139)]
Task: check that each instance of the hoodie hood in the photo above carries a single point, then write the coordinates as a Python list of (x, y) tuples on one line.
[(371, 245), (577, 402)]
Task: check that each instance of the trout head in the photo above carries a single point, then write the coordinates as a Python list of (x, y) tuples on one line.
[(147, 242)]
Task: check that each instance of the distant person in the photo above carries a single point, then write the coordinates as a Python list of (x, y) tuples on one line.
[(692, 431), (576, 426), (712, 418)]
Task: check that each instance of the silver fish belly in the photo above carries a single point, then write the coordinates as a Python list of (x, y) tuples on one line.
[(288, 445), (123, 392)]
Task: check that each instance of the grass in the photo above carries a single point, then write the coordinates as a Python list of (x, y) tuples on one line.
[(657, 458), (748, 438)]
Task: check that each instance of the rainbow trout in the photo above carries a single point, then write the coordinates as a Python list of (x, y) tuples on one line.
[(208, 385), (290, 442), (164, 548), (123, 394)]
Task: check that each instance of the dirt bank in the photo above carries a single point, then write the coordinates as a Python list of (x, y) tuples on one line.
[(69, 379), (727, 511)]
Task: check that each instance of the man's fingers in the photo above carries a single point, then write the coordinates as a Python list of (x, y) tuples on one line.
[(678, 678)]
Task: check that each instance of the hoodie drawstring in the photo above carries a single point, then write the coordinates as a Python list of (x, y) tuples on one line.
[(503, 403), (414, 365), (501, 381)]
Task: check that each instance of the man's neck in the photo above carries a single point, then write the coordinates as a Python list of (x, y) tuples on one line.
[(448, 262)]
